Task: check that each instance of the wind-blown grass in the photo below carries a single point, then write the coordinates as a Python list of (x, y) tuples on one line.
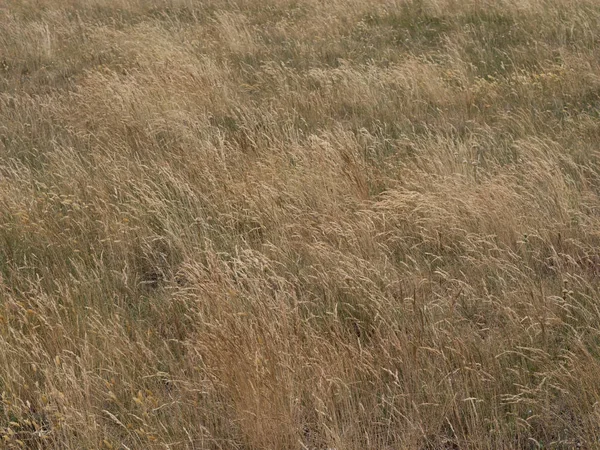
[(299, 224)]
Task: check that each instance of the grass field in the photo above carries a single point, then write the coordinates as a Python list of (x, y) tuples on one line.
[(300, 224)]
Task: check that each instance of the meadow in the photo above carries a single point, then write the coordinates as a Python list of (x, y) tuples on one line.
[(300, 224)]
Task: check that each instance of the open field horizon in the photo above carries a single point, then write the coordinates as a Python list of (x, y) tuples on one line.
[(299, 224)]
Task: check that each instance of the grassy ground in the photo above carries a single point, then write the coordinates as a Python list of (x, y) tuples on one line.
[(299, 224)]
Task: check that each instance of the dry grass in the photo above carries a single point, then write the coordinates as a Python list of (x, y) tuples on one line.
[(310, 224)]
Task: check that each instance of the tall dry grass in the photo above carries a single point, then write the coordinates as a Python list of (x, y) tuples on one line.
[(284, 224)]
